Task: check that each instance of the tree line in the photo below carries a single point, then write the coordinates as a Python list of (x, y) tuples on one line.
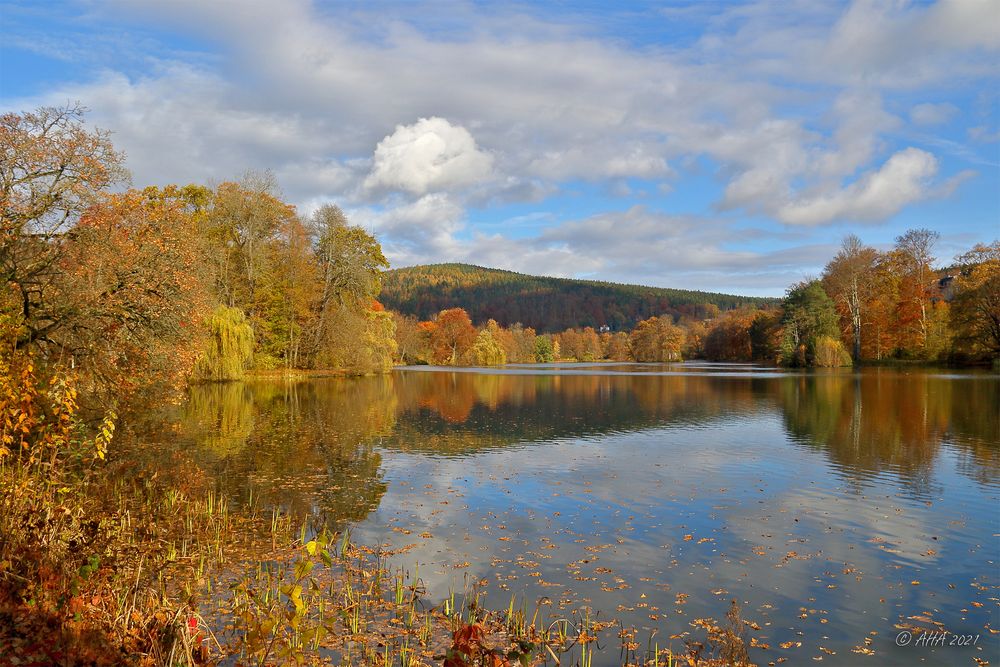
[(130, 287), (867, 306)]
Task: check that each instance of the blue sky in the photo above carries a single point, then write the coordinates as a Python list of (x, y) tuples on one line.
[(726, 146)]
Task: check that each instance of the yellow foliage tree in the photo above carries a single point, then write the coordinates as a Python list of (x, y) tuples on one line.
[(975, 311), (486, 351)]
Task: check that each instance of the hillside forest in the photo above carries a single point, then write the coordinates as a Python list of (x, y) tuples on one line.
[(545, 304)]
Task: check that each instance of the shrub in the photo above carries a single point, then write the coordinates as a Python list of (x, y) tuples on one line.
[(830, 353)]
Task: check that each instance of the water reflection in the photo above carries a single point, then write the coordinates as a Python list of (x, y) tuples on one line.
[(877, 421), (808, 496), (317, 444), (304, 447)]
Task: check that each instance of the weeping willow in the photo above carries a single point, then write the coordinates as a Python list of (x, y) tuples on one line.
[(229, 347)]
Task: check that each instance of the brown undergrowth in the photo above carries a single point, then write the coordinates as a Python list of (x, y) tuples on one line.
[(88, 548)]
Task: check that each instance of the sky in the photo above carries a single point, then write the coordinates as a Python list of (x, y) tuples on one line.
[(724, 146)]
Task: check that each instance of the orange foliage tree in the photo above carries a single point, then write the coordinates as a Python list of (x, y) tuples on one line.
[(131, 297), (849, 279), (52, 171), (451, 336), (728, 337)]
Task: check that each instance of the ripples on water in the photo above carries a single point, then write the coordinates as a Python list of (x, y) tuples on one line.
[(832, 505)]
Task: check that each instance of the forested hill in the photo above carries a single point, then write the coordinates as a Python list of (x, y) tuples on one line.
[(547, 304)]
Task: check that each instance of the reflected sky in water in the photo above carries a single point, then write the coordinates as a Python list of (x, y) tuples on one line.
[(833, 505)]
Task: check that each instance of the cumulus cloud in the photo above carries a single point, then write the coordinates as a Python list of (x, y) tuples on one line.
[(429, 155), (905, 178), (416, 231)]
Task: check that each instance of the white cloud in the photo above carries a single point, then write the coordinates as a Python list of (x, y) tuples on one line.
[(416, 231), (545, 103), (429, 155), (904, 179)]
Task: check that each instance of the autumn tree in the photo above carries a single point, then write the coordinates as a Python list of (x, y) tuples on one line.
[(829, 352), (879, 334), (229, 346), (412, 342), (615, 346), (809, 314), (849, 279), (53, 170), (914, 253), (975, 312), (285, 295), (350, 258), (765, 336), (544, 352), (241, 224), (590, 345), (694, 340), (656, 340), (522, 349), (570, 344), (728, 337), (504, 339), (452, 336), (486, 350), (378, 346), (131, 296), (349, 264)]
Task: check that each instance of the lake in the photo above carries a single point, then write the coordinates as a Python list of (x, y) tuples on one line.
[(838, 508)]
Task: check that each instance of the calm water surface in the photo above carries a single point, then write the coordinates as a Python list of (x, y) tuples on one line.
[(833, 506)]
